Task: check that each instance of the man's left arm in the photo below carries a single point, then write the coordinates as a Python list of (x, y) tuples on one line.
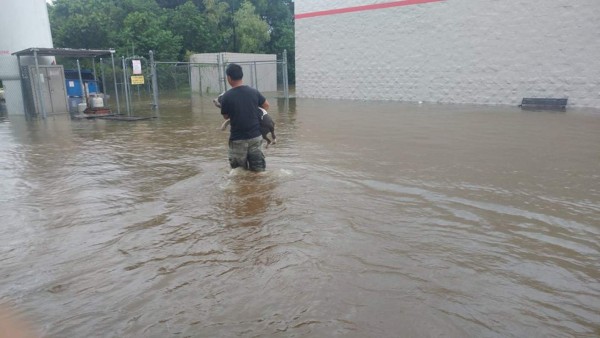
[(265, 105)]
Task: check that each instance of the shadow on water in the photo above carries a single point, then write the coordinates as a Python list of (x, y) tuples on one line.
[(373, 219)]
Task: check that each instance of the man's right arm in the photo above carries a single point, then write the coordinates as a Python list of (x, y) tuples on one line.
[(223, 112)]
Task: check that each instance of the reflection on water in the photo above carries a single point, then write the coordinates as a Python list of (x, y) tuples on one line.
[(3, 114), (374, 219)]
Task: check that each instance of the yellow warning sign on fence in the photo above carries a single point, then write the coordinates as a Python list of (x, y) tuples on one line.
[(137, 79)]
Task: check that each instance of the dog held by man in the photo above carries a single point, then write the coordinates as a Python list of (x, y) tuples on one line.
[(266, 123)]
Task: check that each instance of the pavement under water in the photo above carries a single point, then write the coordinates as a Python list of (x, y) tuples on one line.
[(374, 219)]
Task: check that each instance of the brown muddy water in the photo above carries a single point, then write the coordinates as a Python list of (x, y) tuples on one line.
[(374, 219)]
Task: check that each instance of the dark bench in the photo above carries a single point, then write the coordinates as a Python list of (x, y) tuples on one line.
[(543, 103)]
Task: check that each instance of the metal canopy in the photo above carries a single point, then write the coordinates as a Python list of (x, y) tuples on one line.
[(67, 52)]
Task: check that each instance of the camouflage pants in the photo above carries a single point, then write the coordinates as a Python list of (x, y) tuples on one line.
[(247, 154)]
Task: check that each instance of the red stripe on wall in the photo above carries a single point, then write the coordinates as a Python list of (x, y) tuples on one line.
[(363, 8)]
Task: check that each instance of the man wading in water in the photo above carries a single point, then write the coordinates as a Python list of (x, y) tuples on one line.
[(240, 105)]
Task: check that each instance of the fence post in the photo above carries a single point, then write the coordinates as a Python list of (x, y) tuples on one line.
[(174, 71), (29, 113), (285, 75), (255, 75), (125, 86), (224, 72), (112, 59), (219, 73), (189, 70), (154, 82), (200, 79)]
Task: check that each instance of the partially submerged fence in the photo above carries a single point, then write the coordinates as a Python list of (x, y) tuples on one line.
[(180, 80), (136, 85)]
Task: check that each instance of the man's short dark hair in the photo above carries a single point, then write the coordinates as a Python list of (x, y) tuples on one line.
[(234, 71)]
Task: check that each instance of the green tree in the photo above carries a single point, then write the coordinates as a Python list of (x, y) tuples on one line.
[(170, 3), (145, 31), (217, 14), (130, 6), (81, 23), (187, 22), (279, 14), (283, 39), (252, 31), (173, 28)]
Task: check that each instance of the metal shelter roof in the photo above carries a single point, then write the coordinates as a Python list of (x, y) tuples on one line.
[(67, 52)]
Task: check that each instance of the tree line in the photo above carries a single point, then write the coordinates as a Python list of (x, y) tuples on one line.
[(175, 29)]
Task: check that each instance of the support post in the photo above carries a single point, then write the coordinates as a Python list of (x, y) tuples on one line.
[(125, 86), (95, 75), (103, 78), (39, 84), (81, 84)]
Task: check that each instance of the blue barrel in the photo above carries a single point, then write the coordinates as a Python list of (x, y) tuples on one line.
[(73, 88), (74, 85)]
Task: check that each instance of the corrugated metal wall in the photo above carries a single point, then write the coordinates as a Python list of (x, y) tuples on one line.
[(449, 51)]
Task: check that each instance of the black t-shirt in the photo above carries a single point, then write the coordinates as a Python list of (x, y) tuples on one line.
[(241, 104)]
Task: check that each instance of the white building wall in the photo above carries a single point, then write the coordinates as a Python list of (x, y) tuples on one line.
[(450, 51), (23, 24)]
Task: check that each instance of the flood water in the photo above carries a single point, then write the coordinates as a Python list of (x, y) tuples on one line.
[(374, 219)]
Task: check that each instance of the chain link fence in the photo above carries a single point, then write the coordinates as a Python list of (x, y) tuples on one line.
[(136, 85), (178, 82)]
